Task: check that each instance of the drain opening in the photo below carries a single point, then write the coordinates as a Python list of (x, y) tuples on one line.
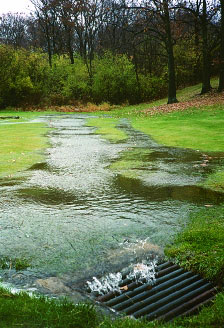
[(161, 292)]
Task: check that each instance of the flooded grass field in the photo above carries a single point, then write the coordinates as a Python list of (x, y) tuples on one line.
[(83, 213)]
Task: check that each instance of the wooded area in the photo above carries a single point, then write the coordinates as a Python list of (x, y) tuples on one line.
[(109, 50)]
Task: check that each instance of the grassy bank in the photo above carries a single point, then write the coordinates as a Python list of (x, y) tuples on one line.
[(28, 312), (199, 247), (21, 310)]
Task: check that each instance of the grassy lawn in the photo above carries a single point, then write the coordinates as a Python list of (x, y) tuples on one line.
[(193, 128), (21, 146)]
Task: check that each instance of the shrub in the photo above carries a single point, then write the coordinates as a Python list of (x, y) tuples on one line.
[(152, 87), (114, 80), (23, 76)]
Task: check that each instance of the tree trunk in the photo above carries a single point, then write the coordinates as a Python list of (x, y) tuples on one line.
[(221, 75), (69, 46), (171, 65), (49, 46), (206, 86), (197, 50)]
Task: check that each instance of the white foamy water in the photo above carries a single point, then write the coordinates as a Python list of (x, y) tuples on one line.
[(144, 272), (106, 284), (15, 291), (140, 273)]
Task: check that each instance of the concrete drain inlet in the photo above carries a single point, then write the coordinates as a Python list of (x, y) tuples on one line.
[(175, 292)]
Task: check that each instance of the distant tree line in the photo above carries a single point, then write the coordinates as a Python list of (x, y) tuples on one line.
[(151, 43)]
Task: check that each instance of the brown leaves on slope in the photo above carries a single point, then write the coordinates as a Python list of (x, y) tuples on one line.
[(212, 98)]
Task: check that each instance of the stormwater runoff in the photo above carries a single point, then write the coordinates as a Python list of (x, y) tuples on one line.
[(73, 218)]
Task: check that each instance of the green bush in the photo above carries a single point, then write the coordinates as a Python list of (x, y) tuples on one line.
[(23, 76), (27, 79), (152, 87), (77, 84), (114, 80)]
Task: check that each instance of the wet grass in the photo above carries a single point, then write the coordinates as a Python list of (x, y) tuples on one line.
[(21, 310), (24, 311), (199, 247), (14, 263), (21, 146), (199, 129), (131, 162), (22, 143), (215, 181), (107, 128)]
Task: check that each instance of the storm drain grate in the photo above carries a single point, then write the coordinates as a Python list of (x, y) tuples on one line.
[(175, 293)]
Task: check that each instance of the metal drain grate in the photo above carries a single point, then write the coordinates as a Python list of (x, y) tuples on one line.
[(176, 292)]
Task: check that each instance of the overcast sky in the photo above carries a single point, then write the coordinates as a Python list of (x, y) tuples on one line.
[(13, 6)]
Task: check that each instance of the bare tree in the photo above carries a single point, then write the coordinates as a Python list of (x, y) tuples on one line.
[(13, 30), (160, 15), (46, 14)]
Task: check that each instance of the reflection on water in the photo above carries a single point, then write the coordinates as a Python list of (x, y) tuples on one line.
[(72, 214)]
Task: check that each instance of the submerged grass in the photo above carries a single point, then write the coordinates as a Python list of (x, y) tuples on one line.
[(107, 128), (14, 263), (131, 162)]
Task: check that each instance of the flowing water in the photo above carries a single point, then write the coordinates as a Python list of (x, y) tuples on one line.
[(71, 215)]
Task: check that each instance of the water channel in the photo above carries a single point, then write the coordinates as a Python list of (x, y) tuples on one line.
[(72, 216)]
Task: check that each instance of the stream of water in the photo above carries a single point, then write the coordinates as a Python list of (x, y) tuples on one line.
[(73, 215)]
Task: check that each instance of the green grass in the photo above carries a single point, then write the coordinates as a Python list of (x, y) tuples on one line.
[(107, 128), (24, 311), (21, 146), (195, 129), (21, 310), (215, 181), (199, 247)]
